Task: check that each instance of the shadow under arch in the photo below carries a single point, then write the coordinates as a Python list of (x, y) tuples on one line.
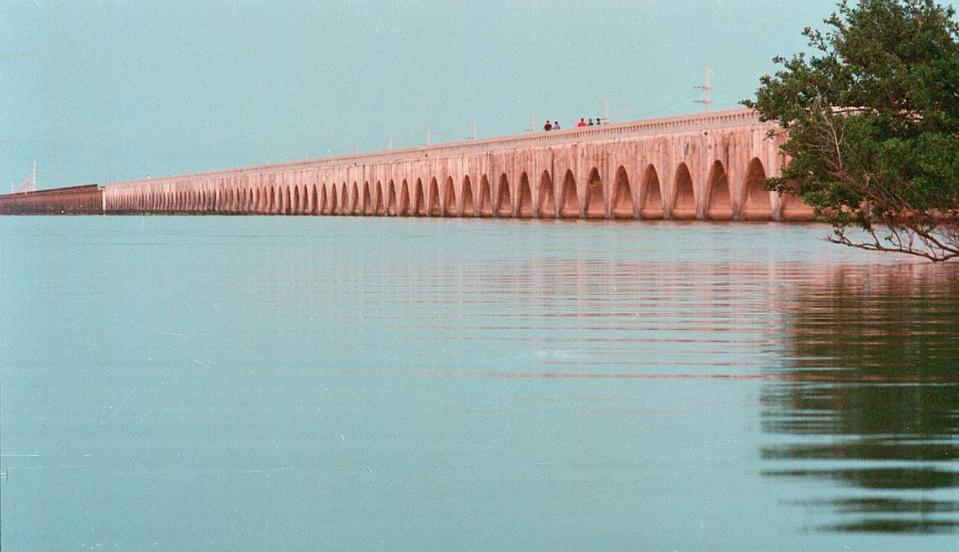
[(486, 198), (623, 205), (329, 192), (344, 199), (449, 198), (296, 200), (684, 195), (595, 196), (467, 209), (504, 200), (756, 200), (434, 208), (391, 208), (367, 205), (569, 200), (652, 206), (379, 208), (355, 208), (524, 198), (322, 203), (419, 199), (719, 205), (404, 205), (546, 197)]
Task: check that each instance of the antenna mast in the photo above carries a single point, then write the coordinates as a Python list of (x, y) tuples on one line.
[(707, 89)]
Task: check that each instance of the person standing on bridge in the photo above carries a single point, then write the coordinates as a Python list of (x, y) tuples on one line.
[(582, 123), (555, 125), (548, 126), (590, 123)]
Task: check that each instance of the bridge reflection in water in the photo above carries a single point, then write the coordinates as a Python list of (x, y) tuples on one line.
[(869, 400)]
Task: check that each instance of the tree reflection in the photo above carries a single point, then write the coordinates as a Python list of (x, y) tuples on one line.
[(867, 410)]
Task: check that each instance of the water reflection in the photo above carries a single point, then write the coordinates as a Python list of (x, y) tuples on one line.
[(869, 416)]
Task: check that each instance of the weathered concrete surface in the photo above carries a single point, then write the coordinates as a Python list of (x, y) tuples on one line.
[(702, 166), (75, 200)]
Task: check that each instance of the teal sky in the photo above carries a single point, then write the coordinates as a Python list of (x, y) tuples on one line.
[(104, 91)]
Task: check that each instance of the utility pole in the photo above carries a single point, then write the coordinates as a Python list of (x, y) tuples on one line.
[(473, 135), (391, 144), (427, 137), (532, 122), (606, 111), (707, 89)]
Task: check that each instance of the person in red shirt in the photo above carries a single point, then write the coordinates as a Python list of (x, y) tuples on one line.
[(582, 123)]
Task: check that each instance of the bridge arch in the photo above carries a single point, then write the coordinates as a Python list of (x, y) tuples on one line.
[(652, 205), (467, 209), (434, 207), (524, 200), (404, 206), (419, 199), (486, 198), (595, 195), (378, 205), (719, 204), (344, 199), (391, 208), (756, 203), (623, 206), (367, 205), (684, 195), (355, 208), (569, 201), (449, 198), (504, 200), (546, 198)]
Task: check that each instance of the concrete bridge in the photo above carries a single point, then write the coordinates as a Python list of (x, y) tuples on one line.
[(703, 166), (86, 199)]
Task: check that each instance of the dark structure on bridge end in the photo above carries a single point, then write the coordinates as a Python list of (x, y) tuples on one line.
[(74, 200)]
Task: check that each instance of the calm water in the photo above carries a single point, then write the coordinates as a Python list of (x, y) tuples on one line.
[(173, 383)]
